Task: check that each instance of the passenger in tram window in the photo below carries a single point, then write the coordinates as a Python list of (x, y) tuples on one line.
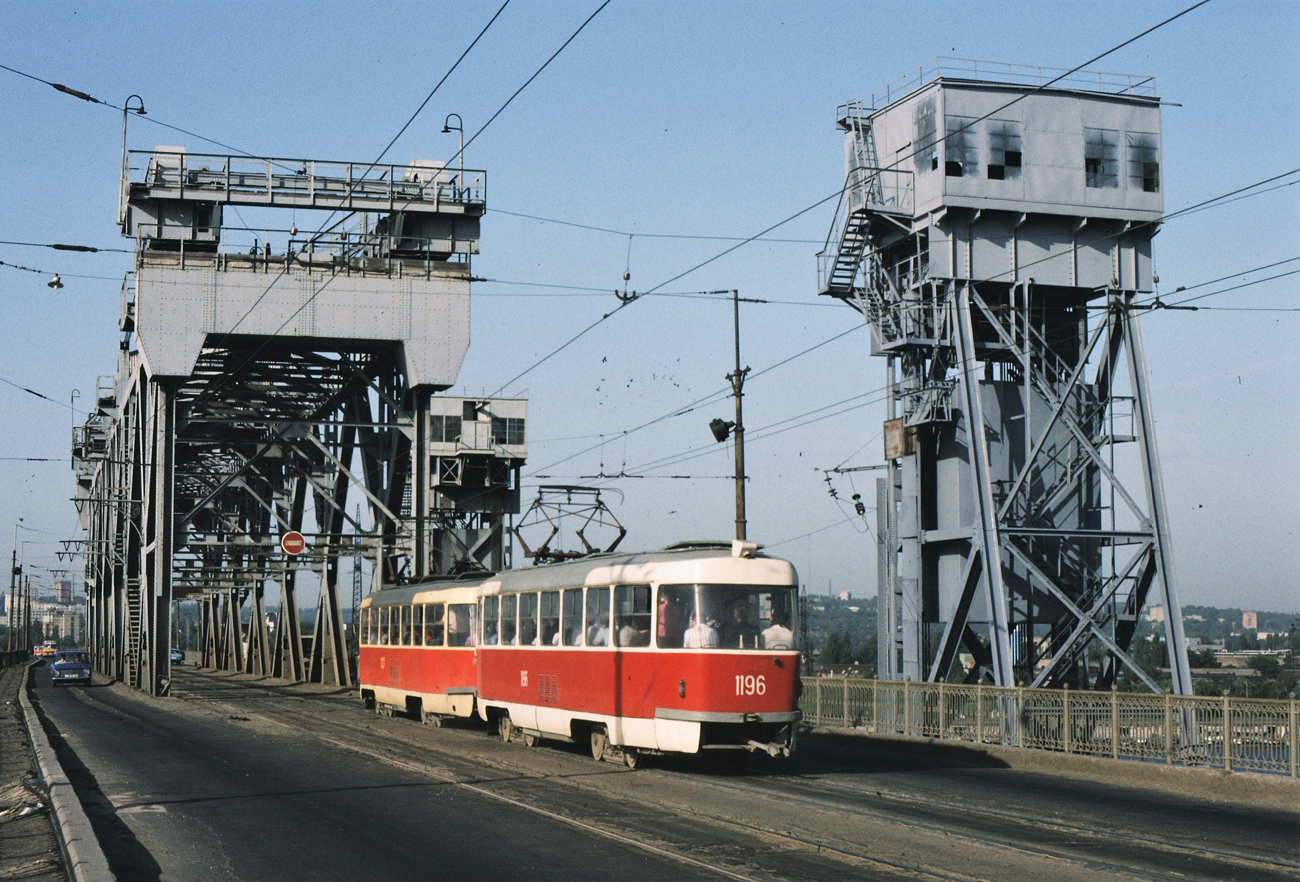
[(550, 635), (460, 624), (632, 622), (700, 635), (528, 619), (433, 624), (406, 626), (491, 617), (509, 607), (778, 635), (671, 624), (597, 616), (383, 626), (571, 616), (742, 628), (417, 625)]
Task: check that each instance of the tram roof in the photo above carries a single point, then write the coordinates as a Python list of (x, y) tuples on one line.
[(567, 574)]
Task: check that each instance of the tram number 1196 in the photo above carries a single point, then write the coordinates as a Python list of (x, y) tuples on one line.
[(748, 684)]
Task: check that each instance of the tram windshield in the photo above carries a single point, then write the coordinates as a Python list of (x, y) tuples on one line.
[(725, 617)]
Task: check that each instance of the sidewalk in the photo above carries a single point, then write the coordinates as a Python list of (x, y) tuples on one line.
[(28, 847)]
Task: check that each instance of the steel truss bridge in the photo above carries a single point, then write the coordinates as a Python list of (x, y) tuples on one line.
[(256, 391)]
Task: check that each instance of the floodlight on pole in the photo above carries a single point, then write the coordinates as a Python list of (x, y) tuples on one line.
[(459, 127), (121, 196)]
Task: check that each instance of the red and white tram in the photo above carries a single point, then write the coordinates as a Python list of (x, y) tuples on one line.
[(686, 649)]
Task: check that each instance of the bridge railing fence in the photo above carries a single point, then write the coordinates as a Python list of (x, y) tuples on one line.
[(1222, 732)]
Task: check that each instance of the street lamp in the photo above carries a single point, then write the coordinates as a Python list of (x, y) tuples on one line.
[(460, 153), (121, 195)]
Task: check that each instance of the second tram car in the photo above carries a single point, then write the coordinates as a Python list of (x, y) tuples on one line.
[(681, 650)]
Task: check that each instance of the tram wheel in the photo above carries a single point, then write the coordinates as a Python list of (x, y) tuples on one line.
[(631, 757), (505, 728), (599, 743), (431, 720), (530, 740)]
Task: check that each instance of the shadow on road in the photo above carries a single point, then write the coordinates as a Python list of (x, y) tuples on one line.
[(127, 858)]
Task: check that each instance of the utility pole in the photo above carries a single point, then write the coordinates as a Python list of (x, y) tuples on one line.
[(721, 429), (737, 379), (13, 577)]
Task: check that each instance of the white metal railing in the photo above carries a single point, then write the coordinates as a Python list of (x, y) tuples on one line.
[(257, 180), (1234, 734), (1013, 74)]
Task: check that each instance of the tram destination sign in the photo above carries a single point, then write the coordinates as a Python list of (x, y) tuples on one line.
[(293, 542)]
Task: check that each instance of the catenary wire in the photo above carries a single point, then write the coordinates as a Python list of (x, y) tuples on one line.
[(840, 192)]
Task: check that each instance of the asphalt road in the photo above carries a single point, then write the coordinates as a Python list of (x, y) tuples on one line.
[(235, 779)]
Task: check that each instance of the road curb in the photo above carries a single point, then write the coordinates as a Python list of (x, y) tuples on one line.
[(82, 855)]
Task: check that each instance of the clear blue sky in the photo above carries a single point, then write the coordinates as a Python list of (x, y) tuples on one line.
[(710, 119)]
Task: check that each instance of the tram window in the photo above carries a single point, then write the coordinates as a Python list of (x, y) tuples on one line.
[(433, 624), (673, 615), (417, 625), (491, 617), (572, 616), (509, 606), (527, 619), (550, 634), (598, 617), (461, 626), (632, 615), (364, 633), (735, 616), (372, 627), (406, 626), (384, 633)]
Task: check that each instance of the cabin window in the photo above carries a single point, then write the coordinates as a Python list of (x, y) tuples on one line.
[(509, 608), (571, 613), (507, 430), (550, 618), (367, 635), (444, 429), (1004, 150), (433, 624), (923, 118), (1143, 163), (1101, 158), (732, 616), (528, 619), (962, 155), (461, 626), (598, 617), (632, 615)]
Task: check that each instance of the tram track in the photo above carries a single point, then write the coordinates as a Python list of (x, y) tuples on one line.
[(462, 762), (415, 752), (1060, 825), (964, 833)]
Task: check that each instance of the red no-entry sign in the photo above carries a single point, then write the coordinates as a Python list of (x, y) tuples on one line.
[(293, 542)]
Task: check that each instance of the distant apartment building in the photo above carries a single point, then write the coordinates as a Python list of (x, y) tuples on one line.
[(1250, 620), (63, 590), (1155, 614)]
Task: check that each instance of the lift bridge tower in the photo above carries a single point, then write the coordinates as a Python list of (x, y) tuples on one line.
[(995, 232), (256, 387)]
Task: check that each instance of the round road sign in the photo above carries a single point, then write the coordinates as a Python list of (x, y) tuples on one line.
[(293, 542)]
